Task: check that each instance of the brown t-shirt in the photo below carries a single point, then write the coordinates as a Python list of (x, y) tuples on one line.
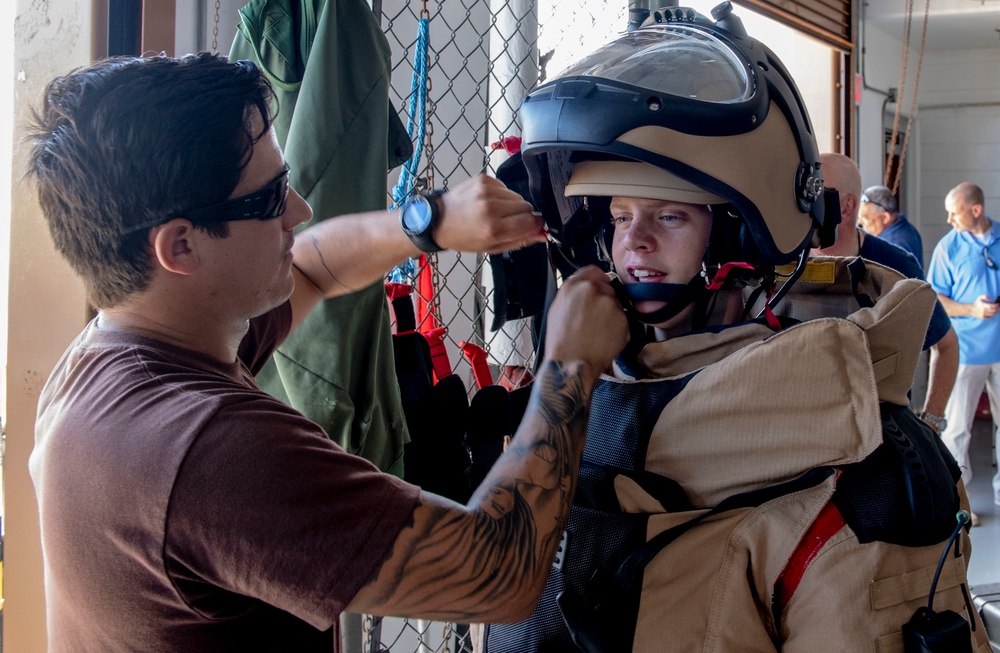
[(183, 509)]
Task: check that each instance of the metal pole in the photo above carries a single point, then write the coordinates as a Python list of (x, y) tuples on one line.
[(514, 59)]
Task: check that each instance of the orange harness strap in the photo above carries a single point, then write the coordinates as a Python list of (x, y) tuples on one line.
[(826, 525)]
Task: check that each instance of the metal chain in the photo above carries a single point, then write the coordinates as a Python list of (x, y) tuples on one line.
[(913, 103), (449, 631), (899, 93), (215, 30), (432, 259)]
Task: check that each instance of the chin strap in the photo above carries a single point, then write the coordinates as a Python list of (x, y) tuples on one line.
[(679, 296), (700, 291), (676, 295)]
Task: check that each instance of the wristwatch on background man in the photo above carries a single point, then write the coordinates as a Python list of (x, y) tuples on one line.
[(419, 217), (937, 422)]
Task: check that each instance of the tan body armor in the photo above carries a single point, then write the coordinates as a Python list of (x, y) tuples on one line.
[(752, 410)]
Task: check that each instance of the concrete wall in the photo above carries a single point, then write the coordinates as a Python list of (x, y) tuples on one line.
[(880, 65), (47, 308), (955, 135), (959, 120)]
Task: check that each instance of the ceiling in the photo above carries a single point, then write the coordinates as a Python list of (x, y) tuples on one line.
[(953, 24)]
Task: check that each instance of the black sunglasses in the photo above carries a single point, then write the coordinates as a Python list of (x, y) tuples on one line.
[(867, 200), (986, 255), (264, 204)]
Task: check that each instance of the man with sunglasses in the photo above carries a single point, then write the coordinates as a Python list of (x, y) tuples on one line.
[(182, 508), (964, 273), (879, 216)]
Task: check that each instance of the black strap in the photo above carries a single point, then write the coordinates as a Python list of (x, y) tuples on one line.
[(859, 272), (677, 296), (600, 622), (630, 571)]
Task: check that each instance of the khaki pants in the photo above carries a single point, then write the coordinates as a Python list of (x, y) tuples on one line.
[(961, 411)]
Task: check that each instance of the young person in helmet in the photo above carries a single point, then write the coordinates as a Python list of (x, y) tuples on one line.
[(658, 240), (740, 489), (656, 228)]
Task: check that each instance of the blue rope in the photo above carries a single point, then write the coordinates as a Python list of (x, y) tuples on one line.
[(416, 119)]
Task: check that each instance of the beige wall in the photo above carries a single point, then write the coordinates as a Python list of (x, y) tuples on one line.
[(959, 123), (47, 309)]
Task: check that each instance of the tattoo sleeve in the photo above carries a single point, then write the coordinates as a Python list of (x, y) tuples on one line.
[(462, 563)]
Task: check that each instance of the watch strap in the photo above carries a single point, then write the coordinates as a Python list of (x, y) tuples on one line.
[(424, 240), (937, 421)]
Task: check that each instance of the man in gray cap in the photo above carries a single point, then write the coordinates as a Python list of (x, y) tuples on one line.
[(879, 216)]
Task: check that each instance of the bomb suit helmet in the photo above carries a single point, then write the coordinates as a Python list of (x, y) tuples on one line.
[(684, 108)]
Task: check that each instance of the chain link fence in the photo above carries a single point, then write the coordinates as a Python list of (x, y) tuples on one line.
[(484, 56)]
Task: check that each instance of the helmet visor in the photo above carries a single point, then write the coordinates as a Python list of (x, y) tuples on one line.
[(674, 60)]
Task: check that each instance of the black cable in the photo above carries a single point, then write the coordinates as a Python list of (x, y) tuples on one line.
[(963, 518)]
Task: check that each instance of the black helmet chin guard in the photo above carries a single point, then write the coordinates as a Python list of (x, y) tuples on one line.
[(707, 105)]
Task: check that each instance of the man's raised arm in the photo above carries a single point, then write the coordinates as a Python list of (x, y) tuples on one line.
[(488, 561), (351, 252)]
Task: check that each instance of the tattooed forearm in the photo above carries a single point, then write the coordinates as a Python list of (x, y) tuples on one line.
[(454, 563)]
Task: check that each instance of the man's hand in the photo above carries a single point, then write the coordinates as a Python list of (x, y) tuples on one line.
[(585, 322), (481, 215), (984, 307)]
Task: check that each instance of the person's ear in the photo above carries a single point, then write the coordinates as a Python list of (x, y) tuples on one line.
[(174, 246), (848, 206), (977, 210)]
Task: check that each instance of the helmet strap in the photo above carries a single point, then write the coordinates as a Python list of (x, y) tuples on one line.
[(677, 297)]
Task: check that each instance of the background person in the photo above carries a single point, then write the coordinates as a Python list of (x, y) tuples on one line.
[(879, 216), (181, 507), (842, 174), (964, 272)]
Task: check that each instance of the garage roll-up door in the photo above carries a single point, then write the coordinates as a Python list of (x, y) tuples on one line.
[(828, 20)]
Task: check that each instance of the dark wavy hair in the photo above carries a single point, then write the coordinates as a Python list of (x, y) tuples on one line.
[(127, 141)]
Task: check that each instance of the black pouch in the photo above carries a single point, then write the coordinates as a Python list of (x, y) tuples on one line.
[(519, 280), (937, 632), (905, 492)]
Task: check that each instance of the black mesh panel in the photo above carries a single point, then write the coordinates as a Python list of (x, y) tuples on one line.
[(599, 535)]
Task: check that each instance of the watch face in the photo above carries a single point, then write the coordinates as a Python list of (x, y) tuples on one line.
[(417, 215)]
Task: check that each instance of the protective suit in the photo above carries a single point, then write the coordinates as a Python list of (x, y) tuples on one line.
[(789, 429), (757, 484)]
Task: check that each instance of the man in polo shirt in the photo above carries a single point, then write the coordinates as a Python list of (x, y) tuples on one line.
[(964, 271)]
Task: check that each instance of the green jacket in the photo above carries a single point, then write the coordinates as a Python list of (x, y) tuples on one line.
[(330, 69)]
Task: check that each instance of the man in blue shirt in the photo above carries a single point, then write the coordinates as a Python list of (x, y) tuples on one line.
[(879, 216), (964, 272)]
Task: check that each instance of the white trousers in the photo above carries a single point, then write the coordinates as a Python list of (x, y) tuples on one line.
[(961, 411)]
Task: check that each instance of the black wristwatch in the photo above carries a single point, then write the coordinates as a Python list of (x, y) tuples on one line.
[(419, 218)]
